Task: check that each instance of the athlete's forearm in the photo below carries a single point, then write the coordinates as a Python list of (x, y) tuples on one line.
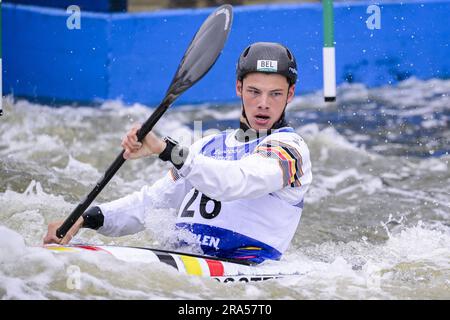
[(127, 215)]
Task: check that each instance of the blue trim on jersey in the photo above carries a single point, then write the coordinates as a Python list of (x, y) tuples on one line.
[(217, 145), (204, 149), (224, 147), (300, 204), (223, 243), (285, 129)]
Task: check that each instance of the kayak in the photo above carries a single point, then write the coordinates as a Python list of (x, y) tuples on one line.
[(222, 270)]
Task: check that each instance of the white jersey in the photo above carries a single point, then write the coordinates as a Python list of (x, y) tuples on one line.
[(241, 200)]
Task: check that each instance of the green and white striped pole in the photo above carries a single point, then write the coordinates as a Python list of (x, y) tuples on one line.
[(329, 57)]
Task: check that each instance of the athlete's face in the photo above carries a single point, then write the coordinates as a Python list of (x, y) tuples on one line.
[(264, 95)]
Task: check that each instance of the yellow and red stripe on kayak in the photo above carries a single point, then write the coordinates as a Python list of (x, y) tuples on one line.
[(61, 248), (186, 264), (202, 266), (75, 248)]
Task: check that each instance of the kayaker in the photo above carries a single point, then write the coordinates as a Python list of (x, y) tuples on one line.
[(240, 193)]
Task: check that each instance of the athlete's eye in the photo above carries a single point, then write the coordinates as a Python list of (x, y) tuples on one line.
[(253, 92)]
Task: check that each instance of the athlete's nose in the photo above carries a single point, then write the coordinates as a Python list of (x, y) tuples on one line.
[(264, 101)]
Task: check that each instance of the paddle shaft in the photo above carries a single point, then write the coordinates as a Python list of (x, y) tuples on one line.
[(110, 172), (199, 57)]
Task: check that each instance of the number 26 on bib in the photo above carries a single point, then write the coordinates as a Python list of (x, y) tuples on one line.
[(200, 203)]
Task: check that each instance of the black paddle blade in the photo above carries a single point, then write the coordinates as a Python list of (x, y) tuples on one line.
[(203, 51)]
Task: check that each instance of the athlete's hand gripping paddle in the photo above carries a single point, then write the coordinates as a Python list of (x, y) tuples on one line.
[(198, 59)]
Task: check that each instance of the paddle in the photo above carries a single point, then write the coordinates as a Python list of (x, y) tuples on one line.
[(199, 57)]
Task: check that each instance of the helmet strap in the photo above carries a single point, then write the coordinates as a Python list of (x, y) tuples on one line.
[(282, 121)]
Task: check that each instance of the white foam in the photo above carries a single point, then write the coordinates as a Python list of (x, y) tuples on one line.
[(24, 271), (418, 243), (75, 167), (33, 196), (416, 247), (330, 138)]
